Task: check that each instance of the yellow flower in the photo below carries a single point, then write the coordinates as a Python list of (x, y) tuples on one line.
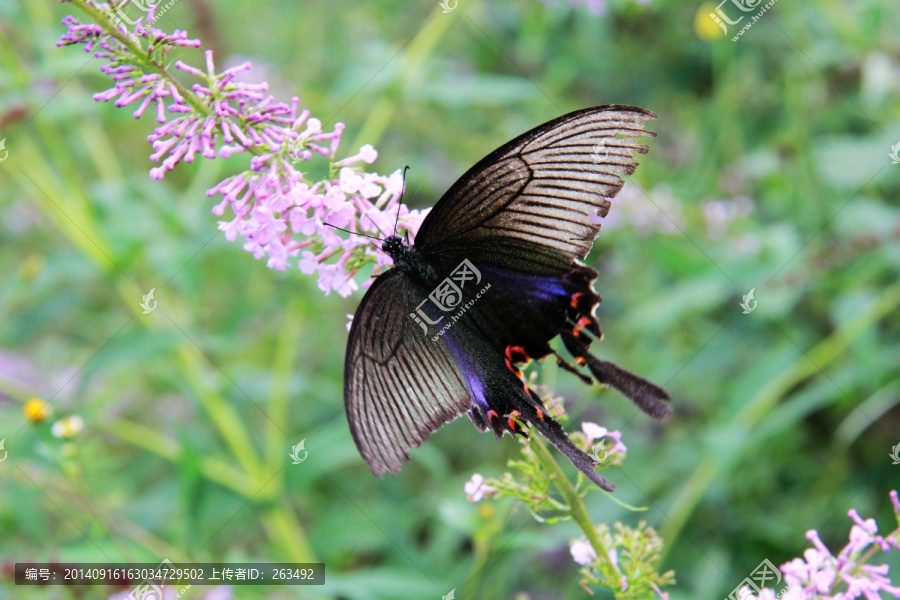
[(36, 410), (68, 427), (705, 26)]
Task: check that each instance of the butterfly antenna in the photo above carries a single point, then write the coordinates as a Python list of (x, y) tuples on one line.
[(402, 192), (356, 232)]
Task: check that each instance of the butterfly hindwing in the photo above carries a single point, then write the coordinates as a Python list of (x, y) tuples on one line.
[(399, 385)]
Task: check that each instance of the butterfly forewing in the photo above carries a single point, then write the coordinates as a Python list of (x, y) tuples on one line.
[(544, 187), (399, 385)]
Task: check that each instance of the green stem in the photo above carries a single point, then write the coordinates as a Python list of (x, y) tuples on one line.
[(573, 498), (147, 438), (279, 399), (226, 419), (286, 534)]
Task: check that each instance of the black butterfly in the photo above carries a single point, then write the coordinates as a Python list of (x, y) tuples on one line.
[(493, 276)]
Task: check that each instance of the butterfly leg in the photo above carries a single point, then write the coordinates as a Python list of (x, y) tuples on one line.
[(564, 364)]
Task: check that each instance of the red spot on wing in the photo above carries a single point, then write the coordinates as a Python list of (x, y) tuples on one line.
[(511, 421), (576, 299), (512, 368), (582, 323), (517, 355)]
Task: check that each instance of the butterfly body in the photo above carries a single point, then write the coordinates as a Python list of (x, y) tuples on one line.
[(493, 277)]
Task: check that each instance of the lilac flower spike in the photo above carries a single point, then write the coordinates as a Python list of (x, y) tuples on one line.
[(278, 211), (822, 575)]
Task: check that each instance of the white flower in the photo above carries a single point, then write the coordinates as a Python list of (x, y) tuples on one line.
[(350, 181), (67, 427), (582, 552), (368, 154), (746, 594), (476, 489), (394, 183), (593, 431), (370, 187), (313, 126)]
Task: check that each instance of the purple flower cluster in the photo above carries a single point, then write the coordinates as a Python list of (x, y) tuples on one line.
[(274, 207), (822, 575), (132, 83)]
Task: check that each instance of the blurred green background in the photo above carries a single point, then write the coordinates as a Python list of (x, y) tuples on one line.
[(771, 172)]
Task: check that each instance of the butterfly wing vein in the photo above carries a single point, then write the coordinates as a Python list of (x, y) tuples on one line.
[(400, 386), (545, 186)]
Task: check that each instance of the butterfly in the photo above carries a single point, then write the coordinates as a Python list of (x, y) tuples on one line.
[(493, 276)]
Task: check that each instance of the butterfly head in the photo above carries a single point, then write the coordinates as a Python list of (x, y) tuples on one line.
[(409, 259), (394, 247)]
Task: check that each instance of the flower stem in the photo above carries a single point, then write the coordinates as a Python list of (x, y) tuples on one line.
[(576, 506)]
